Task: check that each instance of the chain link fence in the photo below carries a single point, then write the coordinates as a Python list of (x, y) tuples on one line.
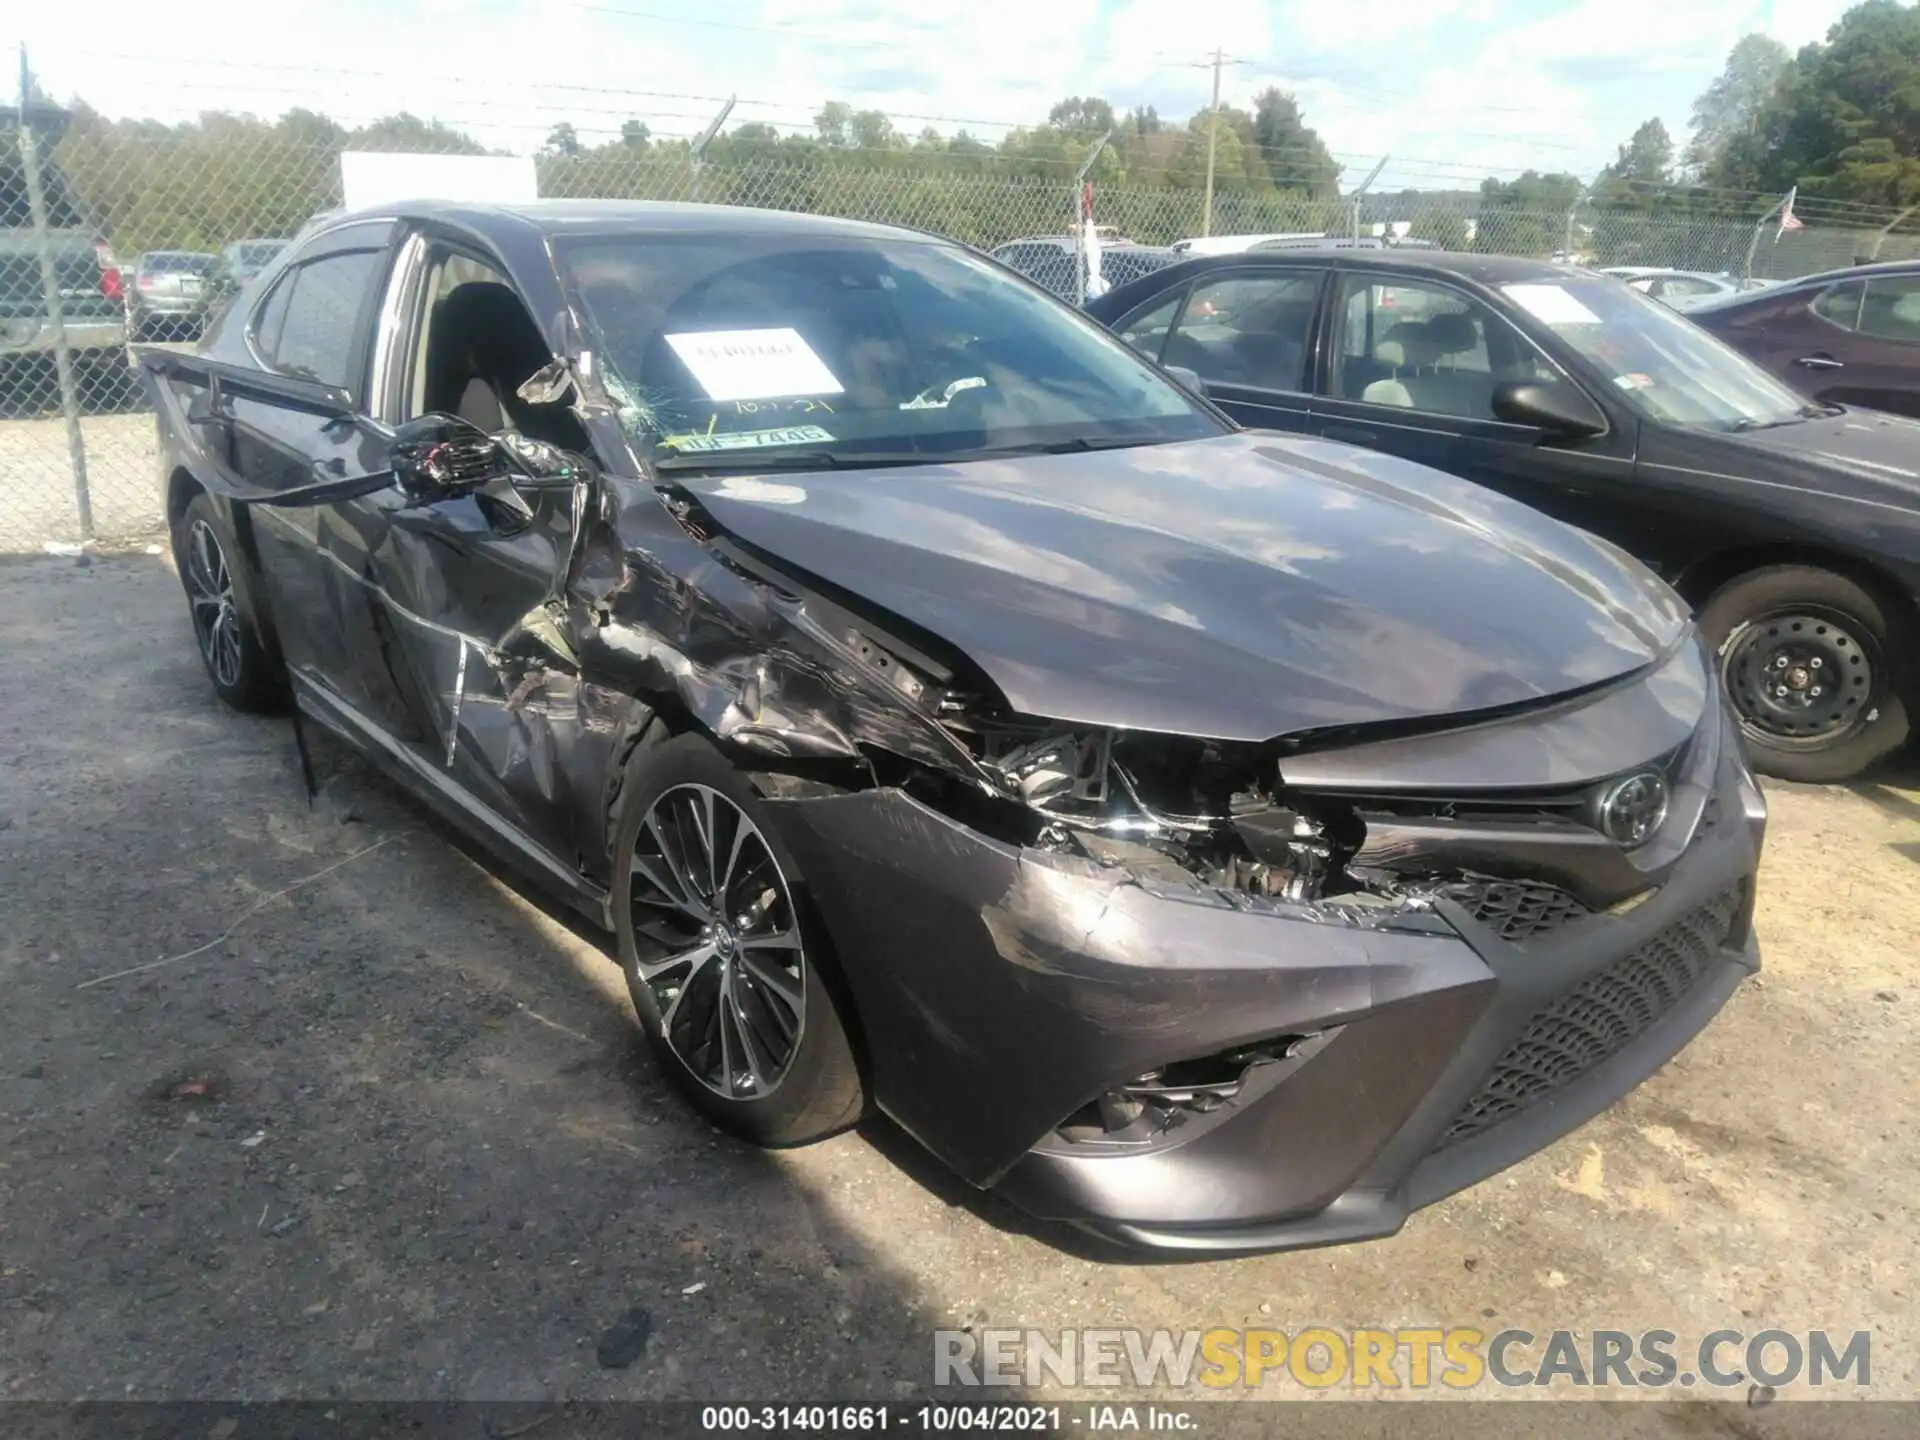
[(113, 235)]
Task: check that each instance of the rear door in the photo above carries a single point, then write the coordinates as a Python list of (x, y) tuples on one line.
[(311, 329), (1864, 344)]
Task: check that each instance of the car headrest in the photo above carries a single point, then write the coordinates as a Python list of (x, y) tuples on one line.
[(1390, 352), (1416, 345), (1452, 332)]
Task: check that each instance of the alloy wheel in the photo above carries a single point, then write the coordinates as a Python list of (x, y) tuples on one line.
[(718, 941), (1806, 676), (216, 621)]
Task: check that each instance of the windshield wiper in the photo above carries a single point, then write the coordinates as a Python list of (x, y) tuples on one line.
[(1813, 410), (762, 461)]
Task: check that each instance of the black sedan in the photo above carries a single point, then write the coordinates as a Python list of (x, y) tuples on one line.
[(1225, 843), (1792, 525)]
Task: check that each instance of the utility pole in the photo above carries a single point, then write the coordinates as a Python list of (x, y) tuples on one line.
[(1213, 141)]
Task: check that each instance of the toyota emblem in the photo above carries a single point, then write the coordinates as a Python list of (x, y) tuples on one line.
[(1634, 808)]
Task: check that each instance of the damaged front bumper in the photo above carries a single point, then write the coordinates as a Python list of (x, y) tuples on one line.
[(1008, 994)]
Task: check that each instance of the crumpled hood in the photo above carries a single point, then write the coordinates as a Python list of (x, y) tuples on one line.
[(1238, 588)]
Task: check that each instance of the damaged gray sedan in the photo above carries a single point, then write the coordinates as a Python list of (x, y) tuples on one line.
[(1223, 842)]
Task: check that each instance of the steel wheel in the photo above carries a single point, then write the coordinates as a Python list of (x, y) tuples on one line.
[(718, 942), (1803, 677), (216, 623)]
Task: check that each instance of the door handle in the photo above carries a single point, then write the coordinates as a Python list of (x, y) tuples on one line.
[(1351, 434), (1821, 361)]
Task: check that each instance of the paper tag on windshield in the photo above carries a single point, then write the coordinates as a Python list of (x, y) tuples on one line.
[(749, 439), (1551, 304), (754, 364)]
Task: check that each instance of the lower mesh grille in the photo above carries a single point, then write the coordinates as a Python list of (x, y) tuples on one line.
[(1515, 909), (1600, 1018)]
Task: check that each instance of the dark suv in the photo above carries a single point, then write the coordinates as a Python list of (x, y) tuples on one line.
[(1850, 337)]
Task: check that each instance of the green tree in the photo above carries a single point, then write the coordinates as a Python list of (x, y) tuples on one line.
[(562, 140), (636, 135), (1726, 117), (871, 130), (1646, 158), (1844, 120), (1526, 216), (1090, 116), (1292, 152), (1640, 179), (830, 123), (410, 133)]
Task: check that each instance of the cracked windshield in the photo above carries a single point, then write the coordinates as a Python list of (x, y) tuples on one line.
[(742, 352)]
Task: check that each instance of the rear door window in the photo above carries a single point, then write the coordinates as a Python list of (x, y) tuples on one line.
[(1248, 329), (1841, 305), (319, 329), (1890, 309), (1146, 330)]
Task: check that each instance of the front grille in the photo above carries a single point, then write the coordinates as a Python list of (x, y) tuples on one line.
[(1515, 909), (1598, 1019)]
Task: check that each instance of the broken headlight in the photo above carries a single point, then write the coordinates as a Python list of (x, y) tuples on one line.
[(1174, 805)]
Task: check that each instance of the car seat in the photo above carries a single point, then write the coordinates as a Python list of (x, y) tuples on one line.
[(482, 345), (1450, 390)]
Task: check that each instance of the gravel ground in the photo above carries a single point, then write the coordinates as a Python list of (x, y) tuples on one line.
[(395, 1137)]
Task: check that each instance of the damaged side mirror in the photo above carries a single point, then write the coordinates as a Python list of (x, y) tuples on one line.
[(439, 457)]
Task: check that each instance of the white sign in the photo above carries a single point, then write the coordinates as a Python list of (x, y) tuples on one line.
[(1551, 304), (369, 178), (754, 364)]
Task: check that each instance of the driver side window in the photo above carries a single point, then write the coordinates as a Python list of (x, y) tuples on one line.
[(475, 346), (1415, 345)]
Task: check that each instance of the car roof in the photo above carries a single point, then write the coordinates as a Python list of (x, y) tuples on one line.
[(1855, 272), (1486, 269), (636, 217)]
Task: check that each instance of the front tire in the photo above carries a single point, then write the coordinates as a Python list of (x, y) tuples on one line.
[(723, 954), (242, 672), (1811, 663)]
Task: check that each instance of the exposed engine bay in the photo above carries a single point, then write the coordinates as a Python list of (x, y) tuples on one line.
[(1175, 808), (1183, 811)]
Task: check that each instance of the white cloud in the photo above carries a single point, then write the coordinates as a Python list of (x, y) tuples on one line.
[(1801, 22), (1454, 89)]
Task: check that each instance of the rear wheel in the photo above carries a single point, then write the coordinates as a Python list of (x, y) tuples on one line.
[(243, 674), (723, 955), (1809, 660)]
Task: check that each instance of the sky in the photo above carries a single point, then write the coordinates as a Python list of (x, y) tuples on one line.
[(1451, 90)]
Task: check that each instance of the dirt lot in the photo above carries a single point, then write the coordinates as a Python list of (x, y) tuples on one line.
[(395, 1137)]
